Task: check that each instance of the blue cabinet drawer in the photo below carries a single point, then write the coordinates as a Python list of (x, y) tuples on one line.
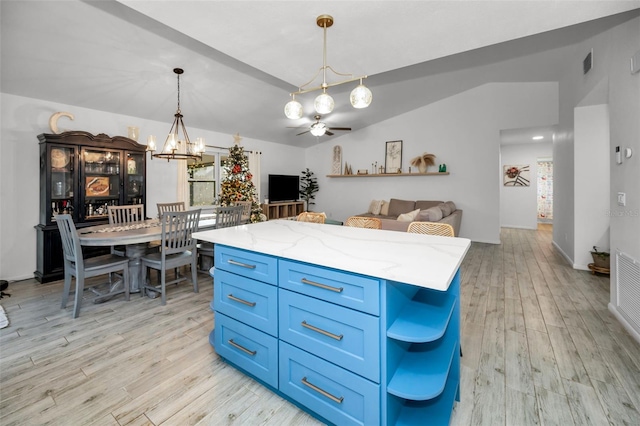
[(339, 287), (343, 336), (251, 302), (337, 395), (248, 348), (257, 266)]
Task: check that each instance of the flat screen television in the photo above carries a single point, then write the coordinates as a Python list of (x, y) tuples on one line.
[(284, 188)]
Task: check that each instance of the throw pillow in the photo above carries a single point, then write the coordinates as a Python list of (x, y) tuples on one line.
[(375, 206), (452, 206), (409, 217), (398, 207), (432, 214), (384, 211), (446, 209)]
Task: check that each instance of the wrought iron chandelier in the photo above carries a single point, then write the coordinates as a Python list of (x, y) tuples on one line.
[(360, 97), (176, 148)]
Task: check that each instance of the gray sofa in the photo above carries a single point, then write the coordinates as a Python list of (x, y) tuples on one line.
[(389, 213)]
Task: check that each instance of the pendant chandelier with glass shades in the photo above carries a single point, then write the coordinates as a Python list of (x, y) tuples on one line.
[(360, 96)]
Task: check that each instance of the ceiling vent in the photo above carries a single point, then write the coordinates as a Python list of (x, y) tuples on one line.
[(587, 63)]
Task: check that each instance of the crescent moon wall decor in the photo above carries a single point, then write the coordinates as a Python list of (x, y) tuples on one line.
[(53, 121)]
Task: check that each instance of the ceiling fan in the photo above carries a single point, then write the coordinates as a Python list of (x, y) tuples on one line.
[(319, 128)]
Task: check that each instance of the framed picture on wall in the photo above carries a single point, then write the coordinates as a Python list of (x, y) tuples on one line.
[(515, 175), (393, 157)]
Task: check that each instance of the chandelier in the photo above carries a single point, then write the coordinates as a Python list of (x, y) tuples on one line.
[(176, 148), (360, 96)]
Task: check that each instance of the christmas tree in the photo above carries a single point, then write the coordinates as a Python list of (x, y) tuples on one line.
[(237, 185)]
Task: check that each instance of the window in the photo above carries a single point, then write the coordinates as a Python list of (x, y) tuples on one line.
[(203, 177)]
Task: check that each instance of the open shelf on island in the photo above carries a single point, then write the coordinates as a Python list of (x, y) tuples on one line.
[(410, 325), (424, 369)]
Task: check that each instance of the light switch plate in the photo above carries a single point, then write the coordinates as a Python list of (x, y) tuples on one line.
[(622, 199)]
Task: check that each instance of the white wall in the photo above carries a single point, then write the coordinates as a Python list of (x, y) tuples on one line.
[(591, 177), (611, 79), (25, 118), (463, 131), (518, 204)]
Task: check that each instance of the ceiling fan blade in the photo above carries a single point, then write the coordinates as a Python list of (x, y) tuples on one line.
[(340, 128), (328, 133), (306, 131)]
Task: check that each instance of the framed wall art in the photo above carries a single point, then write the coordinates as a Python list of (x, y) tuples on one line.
[(393, 157), (516, 175)]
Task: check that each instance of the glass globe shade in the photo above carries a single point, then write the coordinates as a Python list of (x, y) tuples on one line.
[(318, 129), (361, 96), (293, 110), (324, 104)]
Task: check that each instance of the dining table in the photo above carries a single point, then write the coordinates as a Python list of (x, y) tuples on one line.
[(135, 236)]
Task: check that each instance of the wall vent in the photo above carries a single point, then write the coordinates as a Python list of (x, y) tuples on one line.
[(587, 63), (628, 288)]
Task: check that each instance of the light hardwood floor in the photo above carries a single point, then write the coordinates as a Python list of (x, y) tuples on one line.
[(539, 345)]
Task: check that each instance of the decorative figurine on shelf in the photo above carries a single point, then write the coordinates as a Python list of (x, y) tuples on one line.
[(442, 168), (422, 162), (131, 166)]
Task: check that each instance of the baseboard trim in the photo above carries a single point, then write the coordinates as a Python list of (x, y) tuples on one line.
[(519, 227), (634, 333), (567, 258)]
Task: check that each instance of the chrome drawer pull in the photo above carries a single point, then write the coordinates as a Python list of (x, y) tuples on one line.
[(321, 331), (242, 348), (235, 299), (326, 287), (244, 265), (322, 391)]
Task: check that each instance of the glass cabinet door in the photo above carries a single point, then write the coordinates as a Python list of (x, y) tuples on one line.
[(101, 182), (134, 178), (61, 160)]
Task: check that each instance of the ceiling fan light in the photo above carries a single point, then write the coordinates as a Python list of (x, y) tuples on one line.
[(318, 129), (361, 96), (324, 104), (293, 110)]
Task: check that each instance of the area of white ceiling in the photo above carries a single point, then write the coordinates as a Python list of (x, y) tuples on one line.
[(281, 38), (242, 58)]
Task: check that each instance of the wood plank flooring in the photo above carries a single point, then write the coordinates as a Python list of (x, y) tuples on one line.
[(539, 345)]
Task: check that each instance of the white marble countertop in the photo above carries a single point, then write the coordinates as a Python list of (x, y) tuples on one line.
[(421, 260)]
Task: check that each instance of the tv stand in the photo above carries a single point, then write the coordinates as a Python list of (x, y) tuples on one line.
[(283, 209)]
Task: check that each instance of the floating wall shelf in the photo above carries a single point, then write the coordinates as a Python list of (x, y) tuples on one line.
[(391, 175)]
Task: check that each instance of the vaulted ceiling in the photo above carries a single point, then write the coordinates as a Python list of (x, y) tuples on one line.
[(243, 58)]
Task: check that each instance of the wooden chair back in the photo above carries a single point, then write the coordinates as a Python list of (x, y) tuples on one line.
[(71, 248), (246, 210), (125, 214), (178, 206), (177, 228), (311, 217), (431, 228), (228, 216), (364, 222)]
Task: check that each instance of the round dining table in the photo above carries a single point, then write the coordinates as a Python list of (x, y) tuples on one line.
[(135, 236)]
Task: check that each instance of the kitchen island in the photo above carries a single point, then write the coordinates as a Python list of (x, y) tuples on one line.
[(356, 326)]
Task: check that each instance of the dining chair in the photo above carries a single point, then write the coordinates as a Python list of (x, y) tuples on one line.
[(124, 214), (311, 217), (364, 222), (246, 210), (178, 206), (225, 217), (76, 266), (177, 248), (431, 228)]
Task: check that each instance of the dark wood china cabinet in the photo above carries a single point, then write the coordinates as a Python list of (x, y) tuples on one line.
[(81, 174)]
